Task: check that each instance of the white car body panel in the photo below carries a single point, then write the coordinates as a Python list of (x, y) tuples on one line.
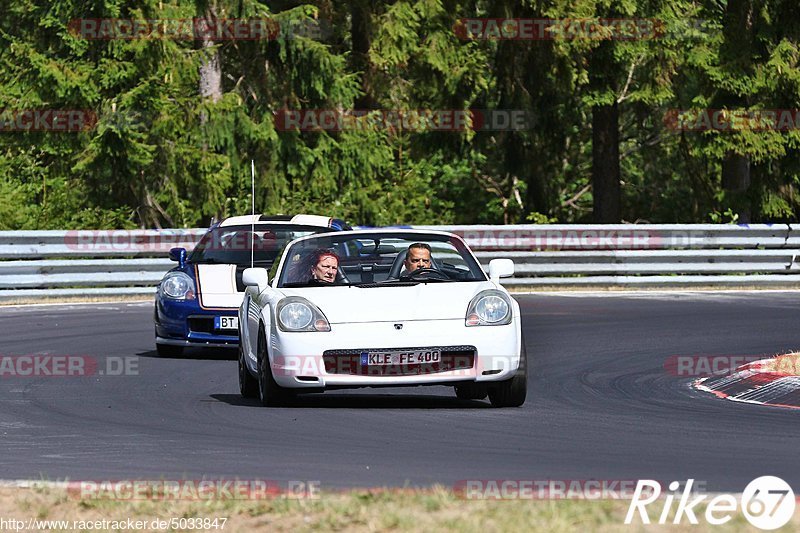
[(217, 286), (434, 301), (302, 220), (431, 314)]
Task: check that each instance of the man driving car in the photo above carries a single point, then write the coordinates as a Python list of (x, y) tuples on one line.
[(418, 256)]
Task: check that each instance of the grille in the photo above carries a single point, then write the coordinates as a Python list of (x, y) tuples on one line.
[(348, 362), (201, 324)]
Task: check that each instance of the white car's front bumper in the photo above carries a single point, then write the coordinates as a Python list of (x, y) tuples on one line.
[(297, 358)]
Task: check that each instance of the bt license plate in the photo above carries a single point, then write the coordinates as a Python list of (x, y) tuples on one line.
[(400, 357), (226, 322)]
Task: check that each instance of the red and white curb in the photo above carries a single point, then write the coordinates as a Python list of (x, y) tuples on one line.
[(755, 383)]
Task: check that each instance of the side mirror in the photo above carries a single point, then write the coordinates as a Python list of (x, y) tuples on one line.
[(500, 268), (179, 255), (256, 277)]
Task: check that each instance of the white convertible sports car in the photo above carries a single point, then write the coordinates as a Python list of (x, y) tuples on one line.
[(382, 320)]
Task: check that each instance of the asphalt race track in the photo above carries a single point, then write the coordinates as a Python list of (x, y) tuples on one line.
[(600, 404)]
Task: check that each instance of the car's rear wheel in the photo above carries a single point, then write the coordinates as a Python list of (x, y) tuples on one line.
[(471, 391), (248, 385), (512, 392), (269, 392)]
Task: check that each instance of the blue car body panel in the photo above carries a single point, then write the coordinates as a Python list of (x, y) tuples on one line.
[(187, 323)]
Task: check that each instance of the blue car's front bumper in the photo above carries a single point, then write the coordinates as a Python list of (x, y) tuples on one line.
[(185, 323)]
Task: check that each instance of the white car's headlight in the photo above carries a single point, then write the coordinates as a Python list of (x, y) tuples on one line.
[(298, 314), (178, 286), (489, 308)]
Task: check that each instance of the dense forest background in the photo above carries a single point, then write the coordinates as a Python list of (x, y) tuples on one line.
[(178, 120)]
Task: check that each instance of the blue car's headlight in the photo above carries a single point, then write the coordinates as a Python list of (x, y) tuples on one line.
[(298, 314), (489, 308), (178, 286)]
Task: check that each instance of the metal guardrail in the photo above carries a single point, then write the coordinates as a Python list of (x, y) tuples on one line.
[(98, 244), (44, 264)]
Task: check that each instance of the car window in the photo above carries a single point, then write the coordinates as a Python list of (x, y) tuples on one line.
[(379, 259), (232, 244)]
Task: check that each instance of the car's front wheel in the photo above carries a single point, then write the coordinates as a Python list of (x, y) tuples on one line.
[(248, 385), (169, 350), (166, 350), (269, 392), (512, 392), (471, 391)]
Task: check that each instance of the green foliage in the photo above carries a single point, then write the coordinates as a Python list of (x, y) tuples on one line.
[(538, 218), (163, 155)]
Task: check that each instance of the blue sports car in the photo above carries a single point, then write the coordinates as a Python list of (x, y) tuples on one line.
[(197, 302)]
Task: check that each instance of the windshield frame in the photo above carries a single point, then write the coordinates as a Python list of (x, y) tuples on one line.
[(325, 241)]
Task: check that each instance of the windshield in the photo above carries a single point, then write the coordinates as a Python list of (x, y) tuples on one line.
[(231, 244), (378, 259)]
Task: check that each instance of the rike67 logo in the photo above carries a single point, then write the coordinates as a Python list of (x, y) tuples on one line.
[(767, 502)]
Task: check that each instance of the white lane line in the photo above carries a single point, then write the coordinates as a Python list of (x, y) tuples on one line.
[(71, 305), (659, 293)]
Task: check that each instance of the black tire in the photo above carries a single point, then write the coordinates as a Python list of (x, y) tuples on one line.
[(471, 391), (512, 392), (248, 385), (166, 350), (269, 392), (169, 350)]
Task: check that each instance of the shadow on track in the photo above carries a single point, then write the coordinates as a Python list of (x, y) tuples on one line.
[(360, 401), (200, 354)]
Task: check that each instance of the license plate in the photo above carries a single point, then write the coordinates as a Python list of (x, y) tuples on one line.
[(400, 357), (226, 322)]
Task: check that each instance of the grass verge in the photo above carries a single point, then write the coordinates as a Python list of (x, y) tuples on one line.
[(786, 364), (435, 509)]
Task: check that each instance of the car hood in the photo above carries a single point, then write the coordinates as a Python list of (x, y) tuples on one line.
[(431, 301)]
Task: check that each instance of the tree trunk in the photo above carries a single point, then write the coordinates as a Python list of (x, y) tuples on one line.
[(606, 189), (736, 182), (210, 68), (737, 50), (361, 37), (211, 75)]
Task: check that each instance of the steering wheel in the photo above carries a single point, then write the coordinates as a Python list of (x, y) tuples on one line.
[(423, 273)]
